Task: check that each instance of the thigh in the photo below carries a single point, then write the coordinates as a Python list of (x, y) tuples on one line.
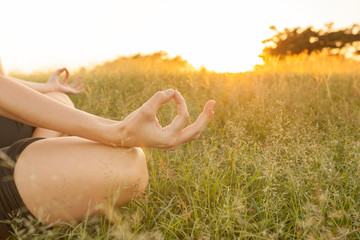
[(66, 179)]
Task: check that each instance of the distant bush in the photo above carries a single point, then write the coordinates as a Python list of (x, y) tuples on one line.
[(156, 62)]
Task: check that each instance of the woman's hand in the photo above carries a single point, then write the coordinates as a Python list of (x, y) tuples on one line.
[(63, 85), (142, 129)]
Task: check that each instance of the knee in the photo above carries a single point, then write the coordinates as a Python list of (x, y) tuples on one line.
[(133, 174), (140, 177), (130, 184), (61, 97)]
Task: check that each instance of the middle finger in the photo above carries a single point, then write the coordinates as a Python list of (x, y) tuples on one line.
[(182, 117)]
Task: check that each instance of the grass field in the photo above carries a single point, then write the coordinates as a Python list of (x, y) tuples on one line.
[(280, 159)]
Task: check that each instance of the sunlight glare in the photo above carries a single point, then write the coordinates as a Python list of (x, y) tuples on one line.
[(223, 36)]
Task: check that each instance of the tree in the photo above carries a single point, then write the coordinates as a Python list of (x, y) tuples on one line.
[(298, 40)]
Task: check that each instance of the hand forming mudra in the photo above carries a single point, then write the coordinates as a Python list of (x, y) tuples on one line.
[(63, 85), (141, 128)]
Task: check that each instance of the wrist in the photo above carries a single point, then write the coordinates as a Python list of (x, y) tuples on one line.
[(113, 133), (50, 87)]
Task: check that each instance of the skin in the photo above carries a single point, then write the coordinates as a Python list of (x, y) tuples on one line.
[(102, 165), (54, 83), (50, 114)]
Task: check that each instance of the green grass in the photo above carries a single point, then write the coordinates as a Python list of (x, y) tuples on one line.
[(280, 159)]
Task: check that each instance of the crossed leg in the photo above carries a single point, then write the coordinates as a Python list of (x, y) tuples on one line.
[(66, 179)]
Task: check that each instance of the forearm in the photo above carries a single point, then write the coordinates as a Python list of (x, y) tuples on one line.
[(22, 103), (10, 116), (40, 87)]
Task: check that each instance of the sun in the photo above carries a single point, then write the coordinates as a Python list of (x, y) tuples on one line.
[(232, 57)]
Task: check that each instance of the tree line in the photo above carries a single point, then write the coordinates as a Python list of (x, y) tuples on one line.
[(298, 40)]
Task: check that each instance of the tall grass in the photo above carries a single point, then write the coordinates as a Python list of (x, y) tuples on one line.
[(280, 159)]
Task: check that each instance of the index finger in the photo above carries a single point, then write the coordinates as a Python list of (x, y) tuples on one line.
[(158, 99), (66, 78), (182, 117)]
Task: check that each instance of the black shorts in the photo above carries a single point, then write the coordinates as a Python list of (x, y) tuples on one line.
[(12, 131), (11, 203)]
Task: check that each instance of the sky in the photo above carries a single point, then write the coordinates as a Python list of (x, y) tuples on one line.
[(222, 35)]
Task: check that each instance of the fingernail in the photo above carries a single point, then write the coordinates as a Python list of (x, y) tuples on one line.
[(169, 92)]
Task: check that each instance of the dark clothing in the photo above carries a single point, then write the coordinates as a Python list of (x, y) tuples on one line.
[(12, 131), (11, 203)]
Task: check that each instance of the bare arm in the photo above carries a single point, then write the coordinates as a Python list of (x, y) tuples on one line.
[(24, 104), (140, 128), (40, 87), (54, 83)]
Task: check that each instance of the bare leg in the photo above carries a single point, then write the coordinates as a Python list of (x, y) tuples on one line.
[(46, 133), (66, 179)]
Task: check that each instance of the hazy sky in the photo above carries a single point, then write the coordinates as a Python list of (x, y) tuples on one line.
[(223, 35)]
